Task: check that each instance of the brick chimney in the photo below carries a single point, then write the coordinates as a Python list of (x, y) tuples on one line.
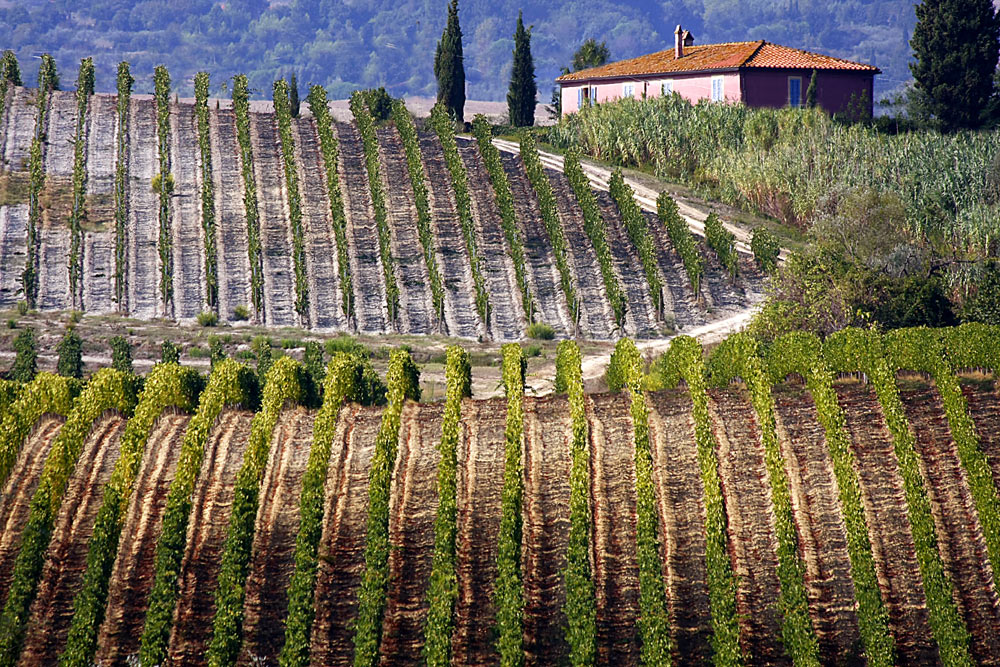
[(678, 42)]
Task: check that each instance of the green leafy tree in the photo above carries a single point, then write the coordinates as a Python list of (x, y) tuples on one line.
[(293, 96), (523, 91), (26, 362), (984, 305), (312, 359), (121, 354), (170, 353), (449, 66), (591, 54), (262, 350), (9, 68), (70, 351), (955, 43), (811, 91), (379, 103), (216, 353)]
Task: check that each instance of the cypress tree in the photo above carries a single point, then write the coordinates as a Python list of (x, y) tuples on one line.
[(9, 68), (449, 67), (121, 354), (293, 96), (811, 92), (70, 351), (26, 362), (521, 98), (955, 44)]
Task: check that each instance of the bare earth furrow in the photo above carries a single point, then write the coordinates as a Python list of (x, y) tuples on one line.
[(185, 212), (460, 316), (751, 525), (412, 513), (612, 494), (21, 115), (480, 484), (717, 286), (342, 546), (13, 253), (230, 211), (822, 535), (144, 217), (370, 310), (680, 497), (543, 275), (640, 315), (99, 241), (206, 535), (679, 299), (417, 314), (888, 526), (507, 320), (132, 574), (275, 228), (597, 320), (15, 503), (325, 309), (984, 408), (273, 560), (960, 535), (66, 557)]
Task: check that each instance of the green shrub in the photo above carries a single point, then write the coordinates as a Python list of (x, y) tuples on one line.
[(379, 102), (70, 352), (312, 359), (533, 350), (22, 308), (541, 331), (241, 313), (215, 350), (723, 242), (347, 345), (170, 353), (208, 319), (26, 357), (623, 359), (121, 354), (765, 248)]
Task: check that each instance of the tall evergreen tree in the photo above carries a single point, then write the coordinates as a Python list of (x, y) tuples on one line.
[(9, 69), (523, 91), (449, 66), (955, 43), (26, 360), (70, 350), (293, 96), (121, 354)]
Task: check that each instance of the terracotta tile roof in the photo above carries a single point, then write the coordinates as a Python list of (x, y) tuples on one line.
[(730, 55)]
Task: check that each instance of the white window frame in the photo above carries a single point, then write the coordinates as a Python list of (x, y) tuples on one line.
[(579, 97), (718, 92), (593, 95), (799, 102), (667, 88), (628, 89)]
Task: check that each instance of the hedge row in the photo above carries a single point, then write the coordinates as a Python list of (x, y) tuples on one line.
[(10, 391), (285, 383), (167, 386), (973, 346), (508, 594), (800, 352), (108, 389), (161, 94), (593, 225), (684, 361), (46, 394), (241, 108), (283, 111), (654, 624), (47, 82), (229, 384), (682, 239), (328, 146), (442, 590), (638, 231), (444, 126), (855, 350), (403, 380), (369, 141), (581, 606), (201, 83), (84, 89), (125, 81), (505, 202), (723, 242), (765, 248), (739, 356), (408, 133), (342, 384), (921, 349)]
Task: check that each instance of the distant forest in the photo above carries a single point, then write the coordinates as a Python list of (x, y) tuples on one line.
[(350, 44)]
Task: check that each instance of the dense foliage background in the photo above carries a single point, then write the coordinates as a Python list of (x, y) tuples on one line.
[(350, 44)]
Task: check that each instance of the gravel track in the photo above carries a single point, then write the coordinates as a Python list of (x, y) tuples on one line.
[(66, 556), (99, 235), (888, 526), (185, 214), (275, 228), (325, 304), (132, 574), (370, 310), (985, 412), (143, 274)]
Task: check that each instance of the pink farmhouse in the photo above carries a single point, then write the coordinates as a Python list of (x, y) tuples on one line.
[(758, 74)]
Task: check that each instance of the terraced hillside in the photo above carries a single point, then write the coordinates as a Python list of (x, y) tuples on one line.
[(833, 502), (283, 222)]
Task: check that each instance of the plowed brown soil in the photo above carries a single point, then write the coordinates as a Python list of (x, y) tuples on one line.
[(616, 571), (342, 546), (273, 560), (206, 535), (960, 535), (15, 503), (412, 512), (66, 557), (480, 484), (984, 408), (822, 535), (888, 525), (751, 524), (682, 520), (132, 575)]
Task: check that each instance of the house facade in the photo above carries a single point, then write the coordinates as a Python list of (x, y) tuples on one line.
[(759, 74)]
